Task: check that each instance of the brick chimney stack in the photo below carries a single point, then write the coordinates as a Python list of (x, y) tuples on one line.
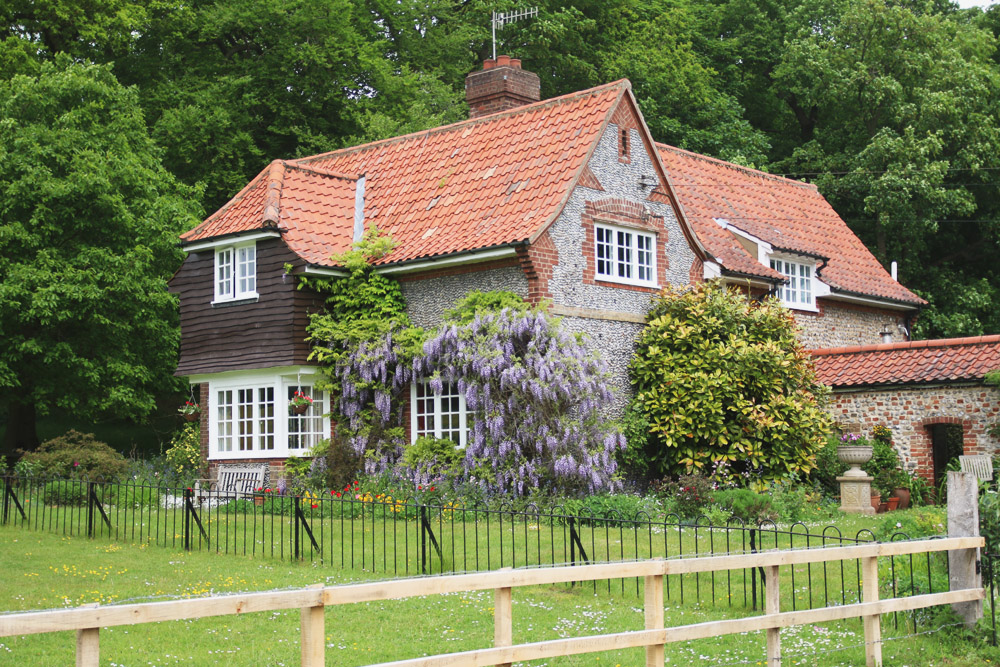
[(499, 86)]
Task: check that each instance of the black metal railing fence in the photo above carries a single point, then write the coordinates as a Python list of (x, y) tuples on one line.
[(393, 536)]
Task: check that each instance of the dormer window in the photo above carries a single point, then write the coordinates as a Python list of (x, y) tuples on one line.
[(625, 255), (799, 291), (236, 272)]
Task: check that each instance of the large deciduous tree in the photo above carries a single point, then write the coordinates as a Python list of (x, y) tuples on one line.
[(722, 379), (88, 230)]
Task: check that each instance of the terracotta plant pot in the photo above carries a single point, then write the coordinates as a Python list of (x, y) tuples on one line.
[(300, 409), (258, 500), (882, 508), (892, 502), (876, 499), (904, 498)]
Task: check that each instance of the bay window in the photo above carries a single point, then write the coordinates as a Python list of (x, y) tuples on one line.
[(251, 418)]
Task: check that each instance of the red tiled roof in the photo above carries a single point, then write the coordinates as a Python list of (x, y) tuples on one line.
[(916, 362), (790, 215), (484, 182), (313, 207)]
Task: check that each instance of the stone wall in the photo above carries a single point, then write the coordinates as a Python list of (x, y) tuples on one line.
[(429, 295), (613, 192), (910, 411), (842, 325)]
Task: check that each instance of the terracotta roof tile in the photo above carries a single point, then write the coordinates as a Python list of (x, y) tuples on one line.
[(790, 215), (916, 362), (479, 183)]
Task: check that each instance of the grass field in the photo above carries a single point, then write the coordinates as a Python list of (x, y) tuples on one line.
[(42, 570)]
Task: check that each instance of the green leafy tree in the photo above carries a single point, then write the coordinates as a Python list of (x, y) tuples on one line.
[(88, 232), (904, 140), (723, 380)]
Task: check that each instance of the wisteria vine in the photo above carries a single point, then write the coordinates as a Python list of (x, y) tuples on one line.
[(533, 394)]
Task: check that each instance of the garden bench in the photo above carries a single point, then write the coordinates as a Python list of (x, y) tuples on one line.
[(979, 465), (236, 480)]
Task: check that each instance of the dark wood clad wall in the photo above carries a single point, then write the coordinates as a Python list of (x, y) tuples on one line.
[(240, 336)]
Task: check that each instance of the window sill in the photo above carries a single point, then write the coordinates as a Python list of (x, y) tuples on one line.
[(248, 298), (802, 307), (611, 282), (259, 454)]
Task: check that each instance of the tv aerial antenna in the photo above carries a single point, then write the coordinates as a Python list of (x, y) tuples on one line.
[(500, 19)]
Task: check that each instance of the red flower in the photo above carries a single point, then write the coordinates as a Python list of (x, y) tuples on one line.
[(432, 488), (419, 488), (338, 494), (314, 505)]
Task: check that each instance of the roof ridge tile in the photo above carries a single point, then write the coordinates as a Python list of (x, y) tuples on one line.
[(733, 165), (470, 122)]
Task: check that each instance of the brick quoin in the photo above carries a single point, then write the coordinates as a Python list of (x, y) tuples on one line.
[(538, 261), (623, 213)]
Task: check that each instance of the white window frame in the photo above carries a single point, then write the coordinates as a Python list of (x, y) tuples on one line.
[(625, 254), (800, 291), (235, 272), (266, 424), (437, 402), (310, 425)]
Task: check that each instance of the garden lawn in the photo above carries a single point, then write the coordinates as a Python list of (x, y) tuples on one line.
[(42, 570)]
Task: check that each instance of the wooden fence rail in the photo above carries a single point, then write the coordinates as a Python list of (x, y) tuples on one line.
[(87, 621)]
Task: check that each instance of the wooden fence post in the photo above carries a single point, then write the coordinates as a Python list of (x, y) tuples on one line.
[(963, 521), (313, 633), (873, 622), (88, 644), (503, 619), (654, 617), (772, 605)]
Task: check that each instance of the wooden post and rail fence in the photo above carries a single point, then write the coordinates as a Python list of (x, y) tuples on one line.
[(87, 621)]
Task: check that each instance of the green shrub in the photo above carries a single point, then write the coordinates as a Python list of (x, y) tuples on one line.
[(989, 519), (133, 495), (65, 492), (689, 495), (79, 456), (723, 378), (433, 458), (636, 460), (612, 506), (748, 506), (828, 468), (184, 453), (918, 522)]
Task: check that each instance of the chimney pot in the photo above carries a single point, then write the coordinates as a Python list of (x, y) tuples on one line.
[(489, 63), (515, 62), (503, 61)]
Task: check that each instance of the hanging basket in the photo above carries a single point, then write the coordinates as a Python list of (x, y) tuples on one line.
[(301, 409), (191, 416)]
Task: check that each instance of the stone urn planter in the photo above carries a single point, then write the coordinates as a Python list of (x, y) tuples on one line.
[(854, 456), (855, 485)]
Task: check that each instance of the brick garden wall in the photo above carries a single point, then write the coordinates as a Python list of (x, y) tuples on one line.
[(910, 411)]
